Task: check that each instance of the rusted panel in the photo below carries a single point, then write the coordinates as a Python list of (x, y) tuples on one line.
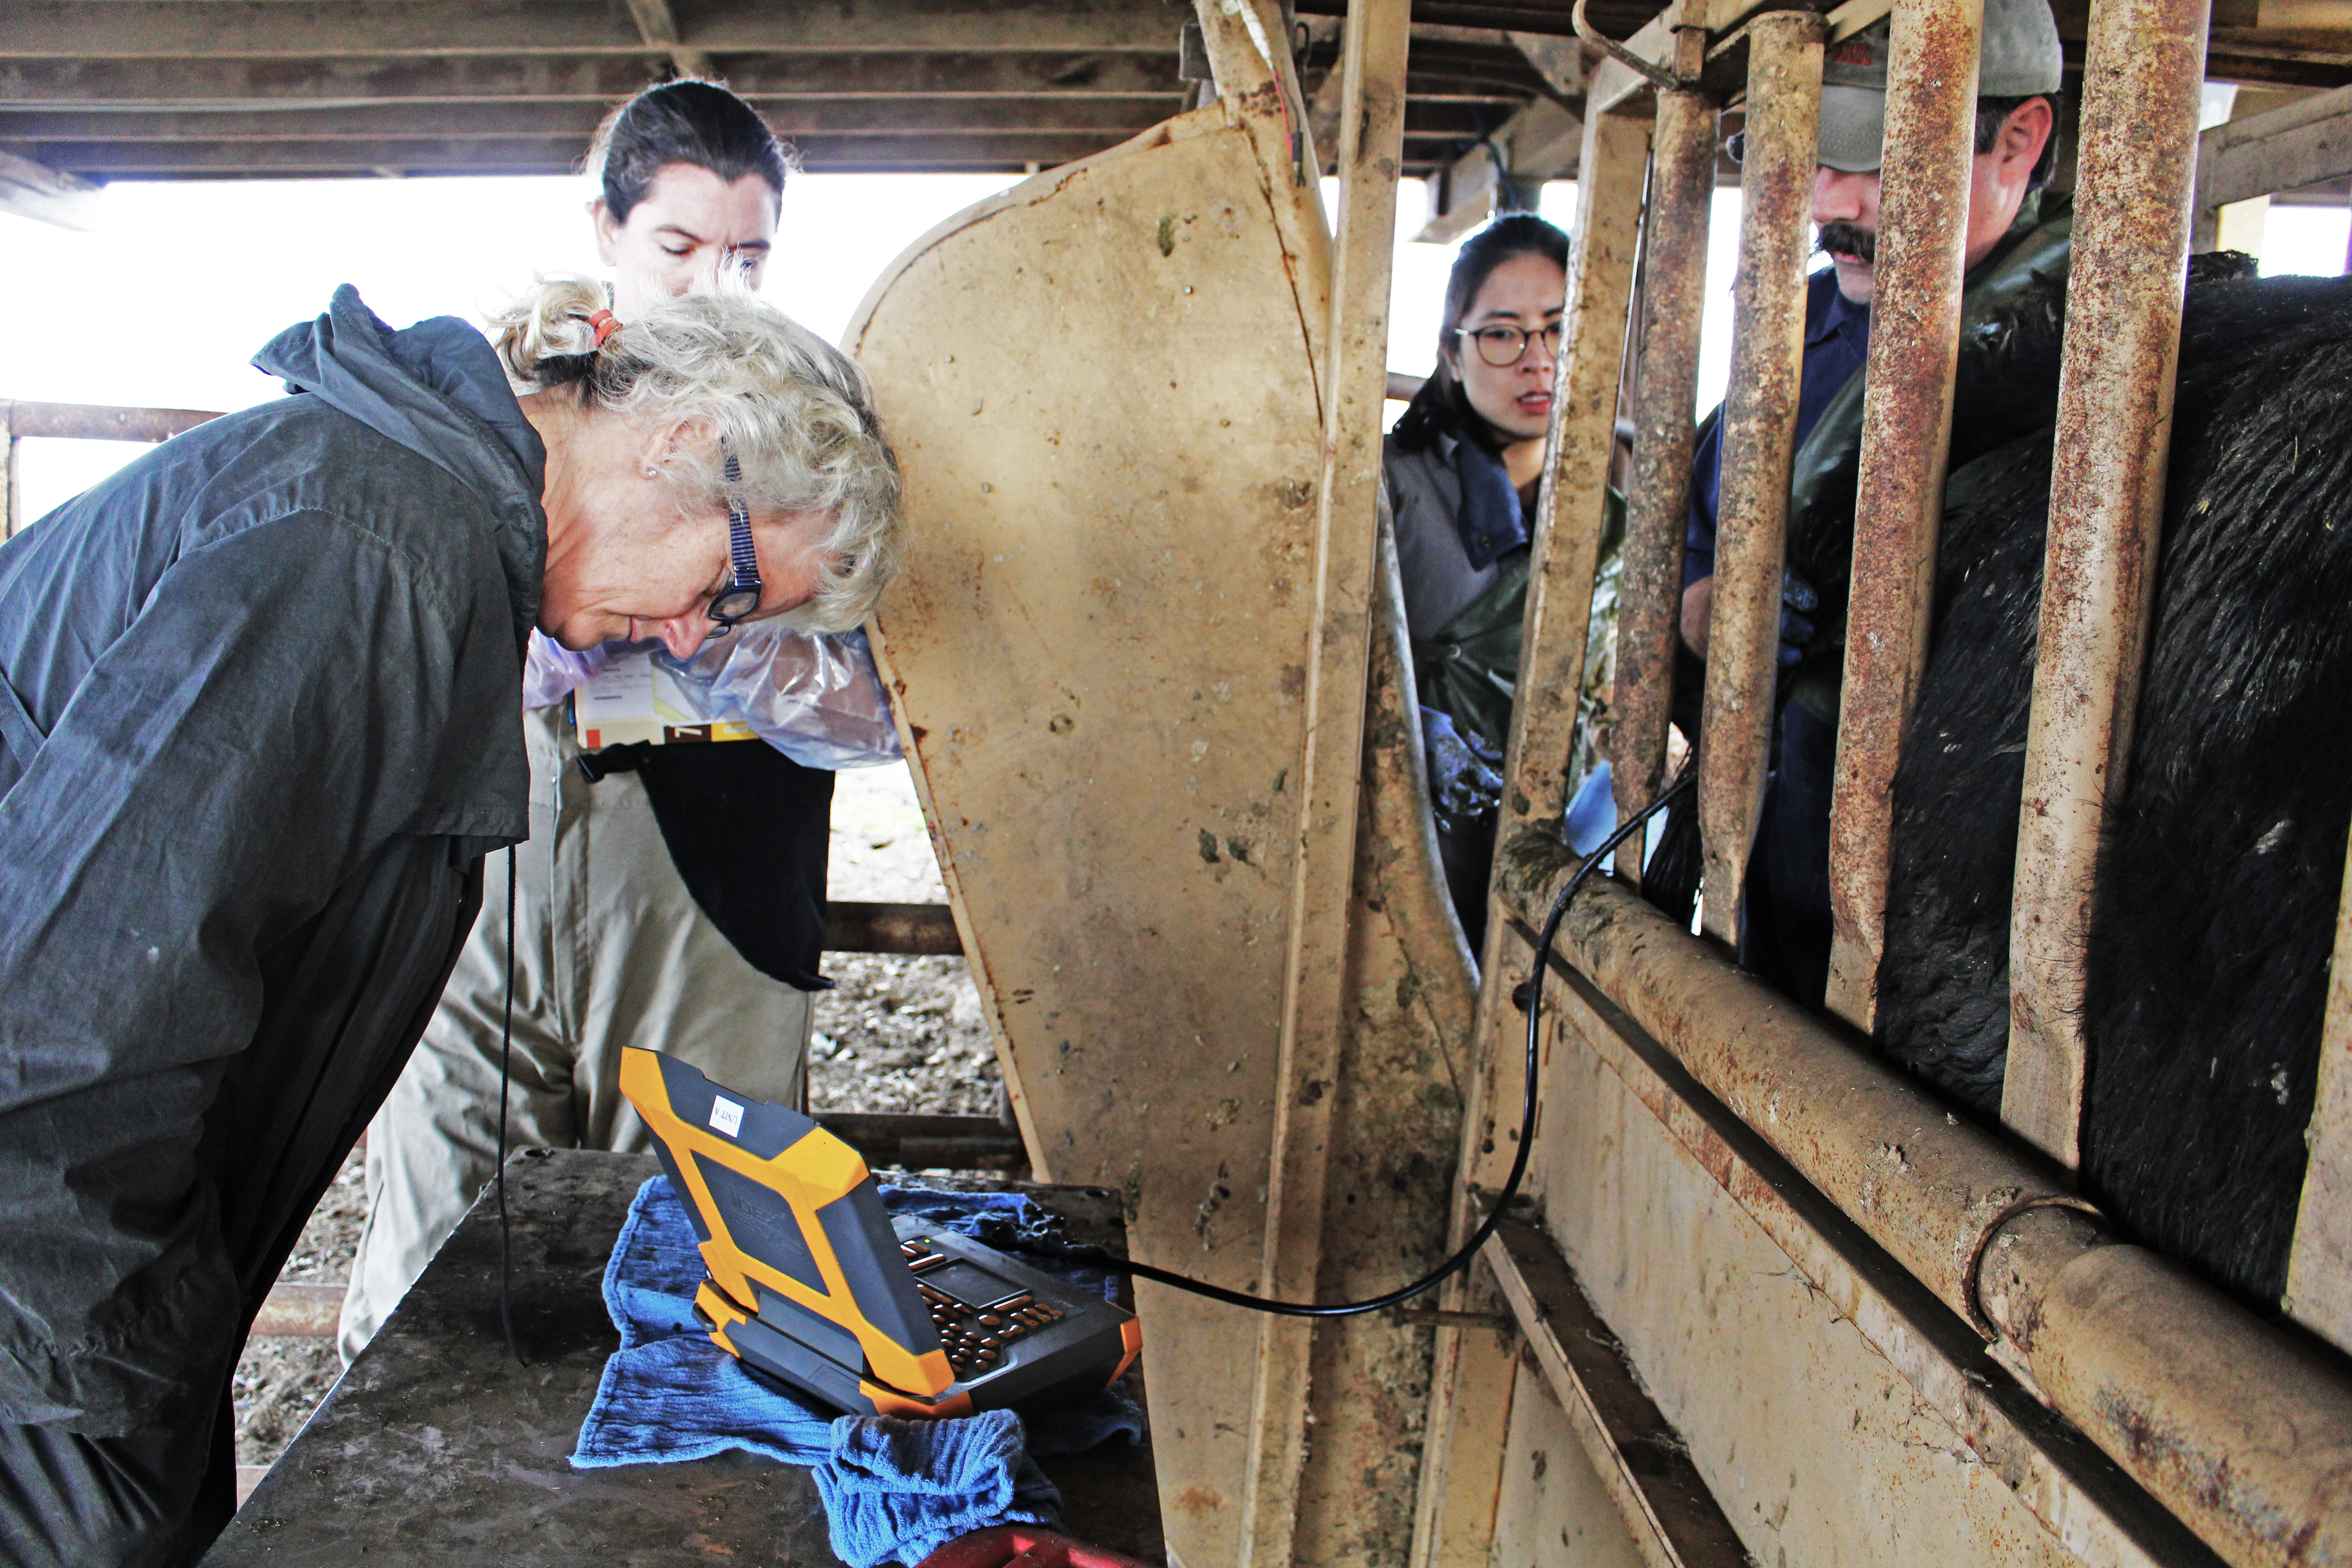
[(1760, 438), (2075, 1491), (2142, 81), (2144, 1366), (890, 928), (1672, 1517), (1316, 1012), (1906, 426), (1657, 493), (2243, 1433), (1412, 994), (1566, 551), (2320, 1270)]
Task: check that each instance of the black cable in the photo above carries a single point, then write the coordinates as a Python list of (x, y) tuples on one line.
[(506, 1056), (1460, 1260)]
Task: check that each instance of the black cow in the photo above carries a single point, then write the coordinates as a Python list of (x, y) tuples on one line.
[(2217, 888)]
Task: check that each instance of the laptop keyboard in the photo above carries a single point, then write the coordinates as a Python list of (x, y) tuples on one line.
[(974, 1337)]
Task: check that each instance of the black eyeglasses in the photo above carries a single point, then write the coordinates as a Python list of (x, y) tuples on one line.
[(741, 595), (1503, 347)]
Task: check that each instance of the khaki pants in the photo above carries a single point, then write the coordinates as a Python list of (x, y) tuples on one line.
[(610, 951)]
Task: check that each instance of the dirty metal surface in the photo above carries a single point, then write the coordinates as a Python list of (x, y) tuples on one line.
[(2244, 1433), (435, 1448), (2157, 1369), (1468, 1418), (1317, 1012), (1657, 492), (1906, 433), (1759, 440), (1103, 389), (1643, 1463), (2142, 79)]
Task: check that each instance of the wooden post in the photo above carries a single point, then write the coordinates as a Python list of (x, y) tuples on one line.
[(2141, 85), (1759, 440), (1906, 430), (1315, 1011), (1461, 1466)]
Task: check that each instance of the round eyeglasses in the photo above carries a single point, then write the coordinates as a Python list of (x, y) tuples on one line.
[(1503, 347)]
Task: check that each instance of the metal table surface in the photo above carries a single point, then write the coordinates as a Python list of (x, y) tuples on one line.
[(435, 1448)]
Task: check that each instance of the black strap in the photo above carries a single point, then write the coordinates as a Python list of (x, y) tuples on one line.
[(24, 738)]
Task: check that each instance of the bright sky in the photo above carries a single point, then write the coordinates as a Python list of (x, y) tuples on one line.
[(164, 305)]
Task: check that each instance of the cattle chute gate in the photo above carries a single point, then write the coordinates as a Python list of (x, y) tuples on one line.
[(1998, 1295)]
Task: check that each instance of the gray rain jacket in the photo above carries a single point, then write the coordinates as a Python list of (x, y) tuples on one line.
[(259, 694)]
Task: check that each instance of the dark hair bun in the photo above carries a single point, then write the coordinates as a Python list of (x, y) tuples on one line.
[(696, 123)]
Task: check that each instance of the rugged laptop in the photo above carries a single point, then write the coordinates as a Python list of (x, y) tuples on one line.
[(813, 1284)]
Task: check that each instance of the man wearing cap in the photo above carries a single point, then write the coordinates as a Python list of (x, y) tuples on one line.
[(2013, 233)]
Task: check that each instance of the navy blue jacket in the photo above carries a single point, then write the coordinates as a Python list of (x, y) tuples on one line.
[(259, 694)]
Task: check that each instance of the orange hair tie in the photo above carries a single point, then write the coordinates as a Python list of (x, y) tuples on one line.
[(607, 325)]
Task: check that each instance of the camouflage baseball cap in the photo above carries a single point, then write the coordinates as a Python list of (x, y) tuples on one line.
[(2020, 58)]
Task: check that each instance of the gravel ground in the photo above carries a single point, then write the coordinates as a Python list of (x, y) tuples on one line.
[(895, 1035)]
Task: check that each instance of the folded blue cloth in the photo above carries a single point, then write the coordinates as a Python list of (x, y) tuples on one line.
[(893, 1489)]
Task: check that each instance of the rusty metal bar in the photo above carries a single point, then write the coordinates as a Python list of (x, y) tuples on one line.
[(1316, 1010), (1469, 1403), (99, 422), (908, 929), (2142, 80), (1906, 431), (1657, 495), (1759, 439), (2244, 1434), (2319, 1269)]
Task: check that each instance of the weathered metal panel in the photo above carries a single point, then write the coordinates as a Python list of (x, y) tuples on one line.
[(2320, 1270), (2142, 83), (1103, 401), (1914, 322), (1657, 490), (1316, 1012), (1553, 1511), (1759, 439)]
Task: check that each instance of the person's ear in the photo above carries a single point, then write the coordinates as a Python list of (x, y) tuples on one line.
[(662, 446), (608, 233), (2024, 133)]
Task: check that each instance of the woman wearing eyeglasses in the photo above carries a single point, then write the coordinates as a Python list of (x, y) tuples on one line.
[(1463, 465), (669, 896)]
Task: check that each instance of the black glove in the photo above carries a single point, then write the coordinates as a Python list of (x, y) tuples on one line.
[(1798, 603), (1466, 778)]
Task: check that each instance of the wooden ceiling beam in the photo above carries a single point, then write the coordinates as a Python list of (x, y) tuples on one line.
[(658, 26), (195, 81), (929, 151), (291, 29), (1110, 117)]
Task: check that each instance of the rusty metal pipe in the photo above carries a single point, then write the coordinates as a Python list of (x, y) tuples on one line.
[(2244, 1434), (2142, 79), (1906, 433), (1760, 438), (98, 421), (1658, 496)]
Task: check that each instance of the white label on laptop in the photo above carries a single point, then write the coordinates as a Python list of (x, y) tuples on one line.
[(726, 1115)]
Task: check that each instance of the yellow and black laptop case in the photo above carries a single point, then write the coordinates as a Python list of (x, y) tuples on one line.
[(813, 1284)]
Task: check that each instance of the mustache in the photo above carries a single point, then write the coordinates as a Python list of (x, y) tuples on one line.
[(1848, 240)]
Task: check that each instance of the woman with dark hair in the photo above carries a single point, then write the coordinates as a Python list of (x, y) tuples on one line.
[(670, 894), (1463, 464)]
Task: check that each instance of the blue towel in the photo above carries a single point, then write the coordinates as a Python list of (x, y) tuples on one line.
[(892, 1489)]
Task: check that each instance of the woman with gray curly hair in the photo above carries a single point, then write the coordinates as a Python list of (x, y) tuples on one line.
[(257, 696)]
